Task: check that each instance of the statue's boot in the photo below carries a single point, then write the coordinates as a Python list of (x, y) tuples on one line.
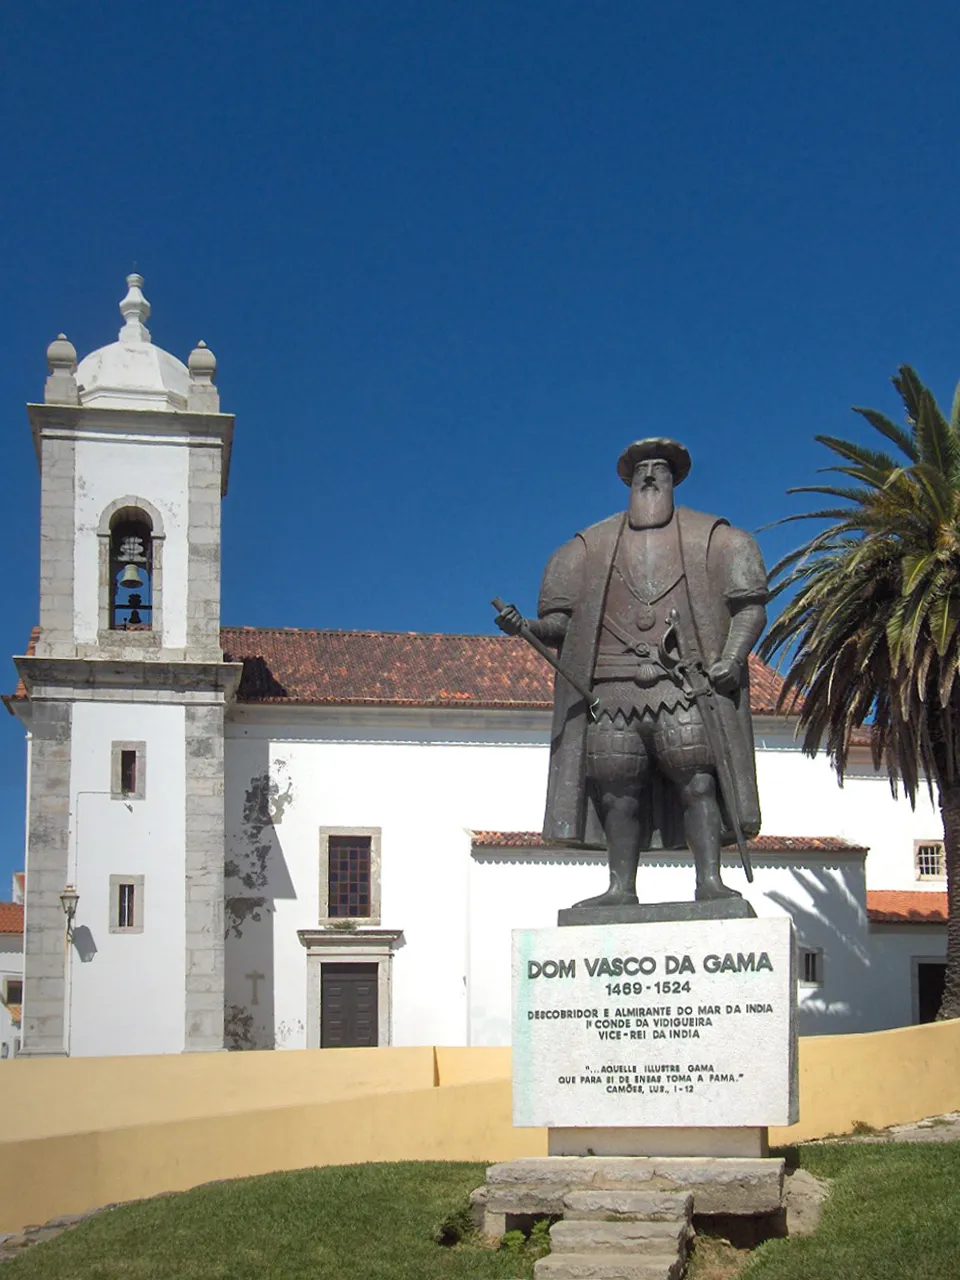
[(623, 883), (713, 888), (709, 885)]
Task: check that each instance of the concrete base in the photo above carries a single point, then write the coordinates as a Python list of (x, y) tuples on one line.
[(656, 912), (664, 1141)]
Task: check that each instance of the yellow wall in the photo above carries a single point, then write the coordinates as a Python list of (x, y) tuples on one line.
[(76, 1171), (82, 1132), (71, 1095), (882, 1077)]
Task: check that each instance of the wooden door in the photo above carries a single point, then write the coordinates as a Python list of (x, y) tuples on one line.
[(348, 1005)]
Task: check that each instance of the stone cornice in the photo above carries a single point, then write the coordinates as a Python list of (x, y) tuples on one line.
[(86, 678), (359, 939), (300, 717)]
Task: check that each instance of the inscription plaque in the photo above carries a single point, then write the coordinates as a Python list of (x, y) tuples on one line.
[(672, 1024)]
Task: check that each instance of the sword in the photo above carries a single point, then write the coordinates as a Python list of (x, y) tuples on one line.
[(544, 652), (696, 683)]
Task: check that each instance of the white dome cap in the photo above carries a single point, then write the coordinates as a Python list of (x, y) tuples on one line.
[(132, 373)]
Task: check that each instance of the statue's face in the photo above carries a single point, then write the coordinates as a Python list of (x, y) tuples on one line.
[(651, 494)]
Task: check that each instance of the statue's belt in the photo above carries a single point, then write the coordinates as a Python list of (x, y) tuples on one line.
[(641, 664)]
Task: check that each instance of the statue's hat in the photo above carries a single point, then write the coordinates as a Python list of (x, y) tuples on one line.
[(671, 451)]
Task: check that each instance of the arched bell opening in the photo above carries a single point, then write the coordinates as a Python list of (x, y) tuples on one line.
[(131, 571)]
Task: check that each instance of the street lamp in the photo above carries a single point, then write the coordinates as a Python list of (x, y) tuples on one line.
[(68, 900)]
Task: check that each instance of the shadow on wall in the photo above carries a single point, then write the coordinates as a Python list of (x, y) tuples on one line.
[(84, 943), (829, 917), (255, 875)]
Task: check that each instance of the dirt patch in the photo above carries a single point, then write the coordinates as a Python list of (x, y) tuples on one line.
[(713, 1258)]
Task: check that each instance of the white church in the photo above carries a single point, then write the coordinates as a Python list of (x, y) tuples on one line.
[(246, 838)]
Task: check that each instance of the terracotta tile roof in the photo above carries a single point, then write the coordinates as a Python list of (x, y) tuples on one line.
[(389, 668), (11, 917), (906, 906), (762, 844), (378, 668)]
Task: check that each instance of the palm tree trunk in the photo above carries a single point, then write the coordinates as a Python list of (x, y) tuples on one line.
[(950, 813)]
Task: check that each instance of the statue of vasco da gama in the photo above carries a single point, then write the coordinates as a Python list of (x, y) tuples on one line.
[(636, 768)]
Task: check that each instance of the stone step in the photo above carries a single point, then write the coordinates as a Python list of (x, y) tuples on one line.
[(744, 1185), (654, 1206), (545, 1201), (594, 1266), (619, 1237)]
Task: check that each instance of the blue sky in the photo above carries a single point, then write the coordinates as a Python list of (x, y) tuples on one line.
[(453, 256)]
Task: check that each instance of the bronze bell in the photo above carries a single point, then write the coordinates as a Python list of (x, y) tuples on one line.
[(131, 577)]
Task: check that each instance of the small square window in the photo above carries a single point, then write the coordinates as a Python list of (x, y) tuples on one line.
[(13, 991), (930, 860), (126, 904), (810, 966)]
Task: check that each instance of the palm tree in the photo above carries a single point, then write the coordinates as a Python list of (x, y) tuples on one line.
[(870, 634)]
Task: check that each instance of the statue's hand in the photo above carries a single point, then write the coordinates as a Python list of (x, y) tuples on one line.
[(510, 620), (725, 675)]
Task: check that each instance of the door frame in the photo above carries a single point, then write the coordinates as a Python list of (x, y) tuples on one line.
[(342, 946)]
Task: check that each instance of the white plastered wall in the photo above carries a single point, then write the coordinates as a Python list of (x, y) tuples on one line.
[(125, 991), (423, 792), (800, 796), (109, 470), (428, 786)]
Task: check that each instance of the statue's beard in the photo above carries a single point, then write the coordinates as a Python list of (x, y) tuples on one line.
[(650, 507)]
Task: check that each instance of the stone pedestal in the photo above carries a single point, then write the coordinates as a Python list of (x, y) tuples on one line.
[(661, 1038), (743, 1142)]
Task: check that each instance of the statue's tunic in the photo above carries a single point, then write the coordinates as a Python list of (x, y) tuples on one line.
[(647, 582), (721, 569)]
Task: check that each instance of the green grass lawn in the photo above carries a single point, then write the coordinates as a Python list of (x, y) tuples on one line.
[(353, 1222), (893, 1214)]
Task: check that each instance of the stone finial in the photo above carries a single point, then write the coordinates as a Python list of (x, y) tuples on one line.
[(62, 354), (203, 396), (61, 385), (135, 310), (202, 363)]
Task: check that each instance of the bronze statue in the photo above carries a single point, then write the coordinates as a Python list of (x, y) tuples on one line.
[(653, 612)]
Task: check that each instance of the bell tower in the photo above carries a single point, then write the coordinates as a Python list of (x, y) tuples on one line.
[(126, 692)]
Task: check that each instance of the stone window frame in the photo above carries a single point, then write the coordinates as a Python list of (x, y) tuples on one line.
[(344, 946), (115, 883), (817, 954), (927, 877), (133, 507), (375, 834), (116, 792)]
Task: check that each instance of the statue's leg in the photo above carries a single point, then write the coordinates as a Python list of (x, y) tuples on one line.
[(617, 764), (683, 754)]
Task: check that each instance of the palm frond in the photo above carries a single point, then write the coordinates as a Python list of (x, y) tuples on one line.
[(868, 631), (897, 435)]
